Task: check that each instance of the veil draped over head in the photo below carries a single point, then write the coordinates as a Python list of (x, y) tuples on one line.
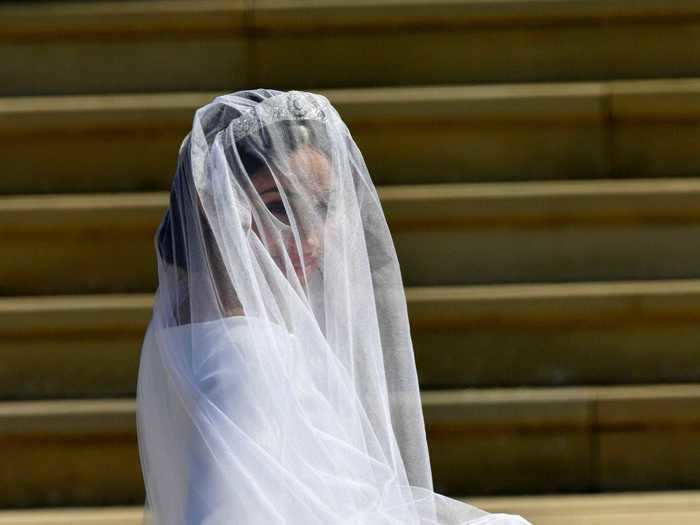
[(277, 382)]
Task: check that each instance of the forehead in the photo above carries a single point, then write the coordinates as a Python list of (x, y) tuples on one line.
[(305, 169)]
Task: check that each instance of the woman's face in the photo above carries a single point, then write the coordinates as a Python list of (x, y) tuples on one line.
[(307, 187)]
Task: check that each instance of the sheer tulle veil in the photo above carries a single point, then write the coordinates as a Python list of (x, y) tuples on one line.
[(277, 382)]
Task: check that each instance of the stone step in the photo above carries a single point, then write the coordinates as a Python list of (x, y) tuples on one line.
[(71, 346), (481, 442), (478, 336), (549, 440), (69, 453), (219, 44), (445, 234), (654, 508), (113, 515), (556, 334), (426, 134)]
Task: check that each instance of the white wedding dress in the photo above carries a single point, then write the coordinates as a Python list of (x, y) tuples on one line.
[(277, 383)]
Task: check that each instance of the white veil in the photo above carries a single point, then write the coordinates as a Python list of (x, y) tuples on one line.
[(277, 382)]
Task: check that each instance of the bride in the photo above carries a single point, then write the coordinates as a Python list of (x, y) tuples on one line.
[(277, 382)]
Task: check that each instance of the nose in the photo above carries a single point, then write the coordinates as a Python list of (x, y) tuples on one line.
[(309, 224)]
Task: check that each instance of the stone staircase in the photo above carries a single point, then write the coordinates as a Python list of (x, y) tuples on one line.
[(538, 163)]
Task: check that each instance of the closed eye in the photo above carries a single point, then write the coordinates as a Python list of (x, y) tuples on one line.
[(277, 207)]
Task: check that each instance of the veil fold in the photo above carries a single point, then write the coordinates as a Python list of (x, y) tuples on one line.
[(277, 382)]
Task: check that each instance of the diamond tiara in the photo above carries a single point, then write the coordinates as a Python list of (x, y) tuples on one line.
[(292, 105)]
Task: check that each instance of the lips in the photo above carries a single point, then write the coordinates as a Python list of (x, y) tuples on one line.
[(309, 260)]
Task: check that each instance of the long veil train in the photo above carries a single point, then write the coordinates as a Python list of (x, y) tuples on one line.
[(277, 382)]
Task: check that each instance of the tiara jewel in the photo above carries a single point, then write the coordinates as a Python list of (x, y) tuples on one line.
[(292, 105)]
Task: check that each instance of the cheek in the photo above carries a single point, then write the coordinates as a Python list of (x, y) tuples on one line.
[(265, 236)]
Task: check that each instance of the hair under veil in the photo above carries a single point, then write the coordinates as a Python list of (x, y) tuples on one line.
[(277, 382)]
